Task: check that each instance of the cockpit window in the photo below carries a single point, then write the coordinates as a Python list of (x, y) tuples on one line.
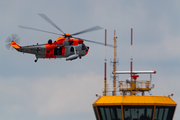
[(83, 47)]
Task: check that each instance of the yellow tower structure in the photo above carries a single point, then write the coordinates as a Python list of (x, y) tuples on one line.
[(129, 105)]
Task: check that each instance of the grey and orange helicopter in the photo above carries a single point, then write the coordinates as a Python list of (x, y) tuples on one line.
[(65, 46)]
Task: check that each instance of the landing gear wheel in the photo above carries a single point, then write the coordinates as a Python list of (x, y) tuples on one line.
[(35, 60)]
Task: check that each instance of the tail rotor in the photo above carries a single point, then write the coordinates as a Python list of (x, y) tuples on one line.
[(12, 38)]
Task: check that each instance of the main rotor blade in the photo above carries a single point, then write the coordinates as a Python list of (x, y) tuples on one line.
[(96, 42), (24, 27), (49, 21), (88, 30)]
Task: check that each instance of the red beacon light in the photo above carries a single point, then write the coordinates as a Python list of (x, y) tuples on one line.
[(134, 76)]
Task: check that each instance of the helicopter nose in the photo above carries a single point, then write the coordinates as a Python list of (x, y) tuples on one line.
[(87, 49)]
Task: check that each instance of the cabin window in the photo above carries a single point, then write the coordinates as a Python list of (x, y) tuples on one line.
[(72, 49), (103, 117), (110, 112), (164, 112), (96, 114), (119, 113), (48, 51), (57, 50), (108, 116), (138, 112), (113, 113)]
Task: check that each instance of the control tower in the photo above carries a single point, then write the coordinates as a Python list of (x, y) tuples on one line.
[(132, 103)]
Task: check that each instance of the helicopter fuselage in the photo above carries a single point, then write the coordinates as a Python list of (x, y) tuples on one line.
[(55, 51)]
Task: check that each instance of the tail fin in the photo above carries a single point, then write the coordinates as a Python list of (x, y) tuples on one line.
[(15, 45)]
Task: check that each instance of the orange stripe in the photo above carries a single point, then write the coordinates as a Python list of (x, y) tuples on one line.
[(60, 40), (50, 50), (75, 41), (63, 51)]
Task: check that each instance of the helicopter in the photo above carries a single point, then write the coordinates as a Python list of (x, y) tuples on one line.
[(65, 46)]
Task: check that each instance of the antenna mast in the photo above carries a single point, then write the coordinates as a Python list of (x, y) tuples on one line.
[(105, 81), (114, 65), (131, 57)]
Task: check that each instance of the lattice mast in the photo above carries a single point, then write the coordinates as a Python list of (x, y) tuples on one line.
[(114, 65)]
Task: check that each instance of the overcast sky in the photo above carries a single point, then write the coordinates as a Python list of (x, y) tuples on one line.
[(58, 89)]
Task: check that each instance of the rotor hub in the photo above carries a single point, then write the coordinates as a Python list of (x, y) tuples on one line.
[(67, 35)]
